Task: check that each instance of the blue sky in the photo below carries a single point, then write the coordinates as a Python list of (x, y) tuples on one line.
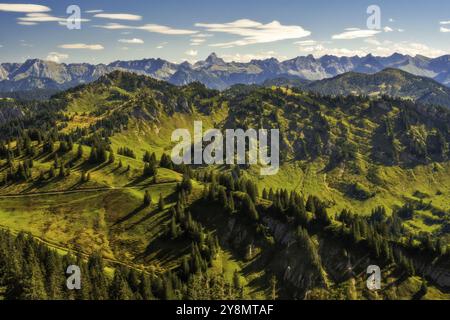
[(236, 30)]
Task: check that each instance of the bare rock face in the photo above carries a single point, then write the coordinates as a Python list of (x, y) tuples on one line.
[(3, 73)]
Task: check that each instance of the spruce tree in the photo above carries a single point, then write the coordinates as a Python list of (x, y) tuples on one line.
[(161, 203), (145, 288), (111, 157), (147, 198)]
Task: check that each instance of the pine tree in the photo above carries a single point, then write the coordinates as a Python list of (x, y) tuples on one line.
[(230, 204), (119, 289), (223, 200), (51, 172), (249, 208), (97, 276), (62, 172), (133, 280), (147, 198), (161, 203), (236, 280), (186, 268), (173, 228), (169, 293), (111, 157), (424, 288), (145, 288), (273, 285)]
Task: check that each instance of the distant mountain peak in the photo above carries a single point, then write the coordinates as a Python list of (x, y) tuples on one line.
[(214, 59), (215, 73)]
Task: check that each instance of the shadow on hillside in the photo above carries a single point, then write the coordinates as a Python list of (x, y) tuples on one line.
[(144, 219), (140, 180), (164, 249), (130, 215)]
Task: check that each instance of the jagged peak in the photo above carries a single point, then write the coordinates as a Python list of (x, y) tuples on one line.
[(214, 59)]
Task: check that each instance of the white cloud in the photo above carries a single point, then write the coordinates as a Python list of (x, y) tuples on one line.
[(197, 41), (148, 27), (40, 17), (372, 41), (56, 56), (401, 30), (391, 20), (27, 23), (34, 18), (202, 35), (114, 26), (306, 43), (94, 11), (191, 53), (253, 32), (256, 56), (320, 50), (444, 29), (355, 33), (387, 48), (375, 47), (132, 41), (82, 46), (388, 29), (445, 22), (118, 16), (165, 30), (11, 7), (162, 45)]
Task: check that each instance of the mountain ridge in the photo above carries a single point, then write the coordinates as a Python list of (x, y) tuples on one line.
[(390, 81), (215, 73)]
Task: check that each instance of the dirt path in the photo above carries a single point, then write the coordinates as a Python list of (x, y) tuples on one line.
[(60, 192)]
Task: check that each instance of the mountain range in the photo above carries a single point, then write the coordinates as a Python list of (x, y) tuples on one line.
[(214, 72), (390, 82)]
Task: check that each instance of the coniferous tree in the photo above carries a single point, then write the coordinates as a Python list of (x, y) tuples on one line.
[(79, 152), (147, 198), (145, 288), (111, 157), (161, 203), (119, 289)]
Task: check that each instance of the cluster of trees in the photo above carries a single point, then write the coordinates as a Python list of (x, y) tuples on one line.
[(311, 255), (293, 205), (150, 164), (30, 270), (127, 152), (384, 236), (19, 174), (99, 153), (166, 162)]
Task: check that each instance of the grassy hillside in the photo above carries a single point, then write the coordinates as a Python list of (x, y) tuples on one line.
[(362, 181)]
